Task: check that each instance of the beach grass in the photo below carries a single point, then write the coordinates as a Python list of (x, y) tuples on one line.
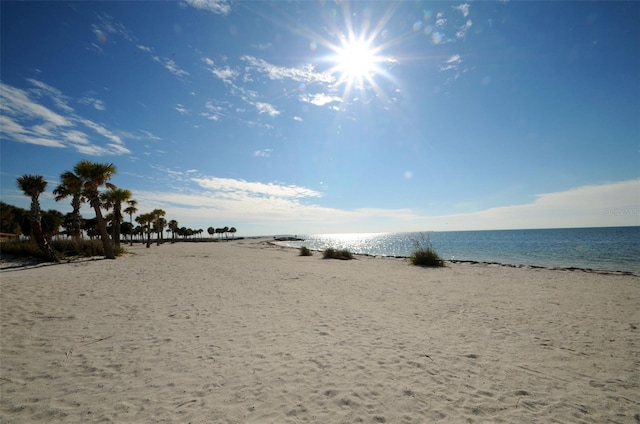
[(304, 251), (331, 253), (425, 254)]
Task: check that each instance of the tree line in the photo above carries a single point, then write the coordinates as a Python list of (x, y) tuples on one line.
[(88, 182)]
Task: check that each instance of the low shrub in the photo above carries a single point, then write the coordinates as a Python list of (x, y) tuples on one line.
[(64, 249), (21, 248), (332, 253), (424, 254), (304, 251)]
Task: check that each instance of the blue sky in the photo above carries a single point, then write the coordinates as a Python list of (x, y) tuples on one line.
[(326, 117)]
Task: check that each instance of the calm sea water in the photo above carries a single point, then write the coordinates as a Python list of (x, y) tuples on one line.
[(609, 249)]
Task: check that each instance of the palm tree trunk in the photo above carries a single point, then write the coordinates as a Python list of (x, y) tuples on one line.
[(42, 242), (131, 234), (104, 235), (36, 230)]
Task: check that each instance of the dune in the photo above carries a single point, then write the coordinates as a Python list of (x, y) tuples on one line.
[(248, 332)]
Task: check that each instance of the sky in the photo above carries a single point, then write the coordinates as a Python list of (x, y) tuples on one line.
[(307, 117)]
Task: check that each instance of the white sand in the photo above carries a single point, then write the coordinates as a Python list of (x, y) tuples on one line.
[(242, 332)]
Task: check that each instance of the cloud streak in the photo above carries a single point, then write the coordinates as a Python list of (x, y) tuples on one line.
[(219, 7), (25, 120)]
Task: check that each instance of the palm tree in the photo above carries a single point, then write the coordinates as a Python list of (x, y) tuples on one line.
[(94, 175), (51, 221), (33, 186), (145, 219), (233, 230), (159, 223), (211, 231), (71, 185), (173, 227), (115, 197), (130, 210)]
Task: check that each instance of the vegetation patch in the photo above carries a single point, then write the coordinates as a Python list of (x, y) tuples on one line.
[(63, 249), (332, 253), (425, 254), (304, 251)]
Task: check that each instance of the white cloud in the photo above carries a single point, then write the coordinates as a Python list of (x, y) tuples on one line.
[(462, 32), (92, 101), (226, 74), (16, 102), (263, 153), (605, 205), (171, 66), (297, 118), (220, 7), (25, 120), (59, 99), (214, 112), (107, 25), (241, 188), (76, 137), (305, 73), (181, 109), (276, 208), (265, 46), (463, 8), (319, 99), (452, 62), (101, 130), (266, 108)]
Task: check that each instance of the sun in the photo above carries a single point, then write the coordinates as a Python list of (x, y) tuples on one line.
[(356, 61), (358, 55)]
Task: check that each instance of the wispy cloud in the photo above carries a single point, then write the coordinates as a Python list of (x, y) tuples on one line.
[(234, 188), (263, 153), (107, 26), (92, 101), (306, 73), (214, 111), (225, 73), (220, 7), (144, 48), (266, 108), (462, 31), (17, 102), (319, 99), (452, 63), (170, 65), (181, 109), (26, 120), (265, 46), (463, 8)]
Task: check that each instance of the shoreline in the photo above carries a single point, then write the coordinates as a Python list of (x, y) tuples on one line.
[(12, 263), (473, 262)]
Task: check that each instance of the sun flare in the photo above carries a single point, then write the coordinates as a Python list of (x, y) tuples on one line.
[(356, 60)]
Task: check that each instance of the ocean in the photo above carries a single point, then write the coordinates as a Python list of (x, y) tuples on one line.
[(605, 249)]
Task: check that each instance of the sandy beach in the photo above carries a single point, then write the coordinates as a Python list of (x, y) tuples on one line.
[(247, 332)]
